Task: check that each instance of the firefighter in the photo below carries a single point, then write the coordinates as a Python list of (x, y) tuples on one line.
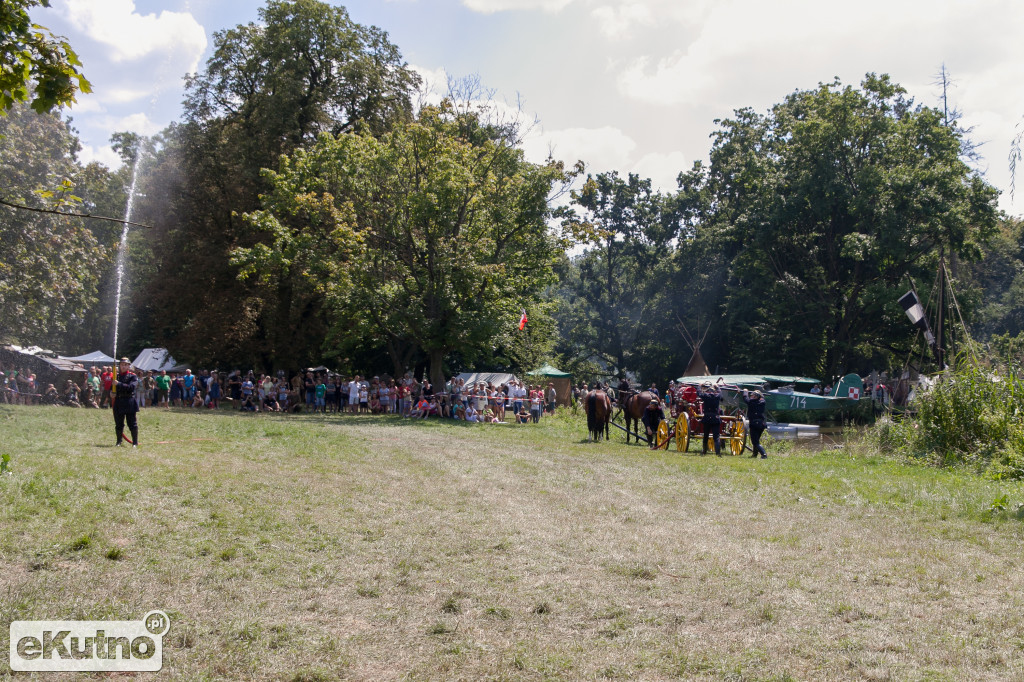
[(126, 406)]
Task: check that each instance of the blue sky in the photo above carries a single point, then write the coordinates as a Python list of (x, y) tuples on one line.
[(630, 85)]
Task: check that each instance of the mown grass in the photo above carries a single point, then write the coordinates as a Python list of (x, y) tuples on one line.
[(318, 548)]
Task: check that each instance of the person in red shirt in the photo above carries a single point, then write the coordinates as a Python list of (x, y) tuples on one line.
[(107, 379)]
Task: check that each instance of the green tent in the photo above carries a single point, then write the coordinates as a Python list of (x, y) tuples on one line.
[(549, 371), (561, 380)]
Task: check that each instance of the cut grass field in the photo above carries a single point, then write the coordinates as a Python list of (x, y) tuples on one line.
[(302, 547)]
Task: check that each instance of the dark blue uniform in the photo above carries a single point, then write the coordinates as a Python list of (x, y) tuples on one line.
[(756, 419), (126, 406), (711, 421), (653, 415)]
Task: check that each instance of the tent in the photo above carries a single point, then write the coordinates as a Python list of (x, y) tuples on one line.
[(561, 380), (696, 367), (496, 378), (97, 357), (49, 368), (158, 360)]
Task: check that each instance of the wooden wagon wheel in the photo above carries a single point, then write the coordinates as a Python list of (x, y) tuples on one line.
[(738, 437), (661, 437), (683, 432)]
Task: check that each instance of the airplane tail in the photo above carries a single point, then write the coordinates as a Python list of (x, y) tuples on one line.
[(850, 387)]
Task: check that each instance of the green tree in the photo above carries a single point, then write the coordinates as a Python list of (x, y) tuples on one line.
[(270, 88), (50, 265), (612, 305), (431, 236), (995, 284), (823, 207), (35, 65)]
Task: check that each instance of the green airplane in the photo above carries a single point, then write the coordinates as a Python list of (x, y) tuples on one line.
[(782, 401)]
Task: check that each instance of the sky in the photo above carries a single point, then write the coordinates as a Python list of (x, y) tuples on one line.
[(626, 85)]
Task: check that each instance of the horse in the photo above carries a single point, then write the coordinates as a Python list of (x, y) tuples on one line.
[(599, 413), (633, 409)]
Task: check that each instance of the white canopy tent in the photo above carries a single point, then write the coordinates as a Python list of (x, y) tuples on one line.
[(158, 360), (90, 359), (496, 378)]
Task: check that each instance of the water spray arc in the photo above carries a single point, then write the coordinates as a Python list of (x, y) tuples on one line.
[(122, 249)]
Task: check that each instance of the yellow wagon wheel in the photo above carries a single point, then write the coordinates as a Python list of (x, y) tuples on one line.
[(661, 438), (683, 433), (738, 440)]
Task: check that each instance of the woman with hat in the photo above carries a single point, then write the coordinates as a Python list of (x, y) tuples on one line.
[(755, 417)]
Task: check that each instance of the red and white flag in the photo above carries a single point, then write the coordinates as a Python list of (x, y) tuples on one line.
[(522, 321)]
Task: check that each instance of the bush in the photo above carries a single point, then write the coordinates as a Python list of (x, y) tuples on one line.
[(971, 417)]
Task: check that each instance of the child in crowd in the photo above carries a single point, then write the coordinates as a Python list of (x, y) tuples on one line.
[(364, 399)]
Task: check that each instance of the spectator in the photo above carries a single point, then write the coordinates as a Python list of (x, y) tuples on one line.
[(235, 388), (320, 396), (213, 396), (71, 395), (163, 388), (188, 385), (148, 384), (535, 403), (107, 381)]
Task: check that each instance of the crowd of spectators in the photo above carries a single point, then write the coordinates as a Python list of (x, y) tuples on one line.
[(304, 391)]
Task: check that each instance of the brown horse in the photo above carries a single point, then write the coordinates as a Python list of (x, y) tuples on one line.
[(599, 413), (633, 408)]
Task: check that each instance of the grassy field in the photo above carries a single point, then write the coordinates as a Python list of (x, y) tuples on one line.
[(309, 548)]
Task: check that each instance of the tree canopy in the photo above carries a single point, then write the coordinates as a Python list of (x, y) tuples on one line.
[(431, 236), (270, 88), (35, 65), (824, 207)]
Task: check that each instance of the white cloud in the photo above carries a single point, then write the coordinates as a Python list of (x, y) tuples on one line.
[(435, 83), (602, 149), (137, 123), (122, 95), (87, 104), (131, 36), (105, 155), (492, 6), (616, 21), (662, 169)]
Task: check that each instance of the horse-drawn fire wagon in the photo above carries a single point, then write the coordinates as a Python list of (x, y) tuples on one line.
[(686, 423)]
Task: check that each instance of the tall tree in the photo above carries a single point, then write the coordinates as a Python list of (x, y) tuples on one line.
[(612, 303), (432, 236), (269, 88), (824, 206), (50, 265)]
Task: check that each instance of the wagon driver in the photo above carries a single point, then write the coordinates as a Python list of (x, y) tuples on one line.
[(125, 404)]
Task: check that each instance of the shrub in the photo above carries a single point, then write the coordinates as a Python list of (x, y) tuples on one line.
[(971, 417)]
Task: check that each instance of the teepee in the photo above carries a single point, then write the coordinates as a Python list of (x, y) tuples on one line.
[(696, 367)]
